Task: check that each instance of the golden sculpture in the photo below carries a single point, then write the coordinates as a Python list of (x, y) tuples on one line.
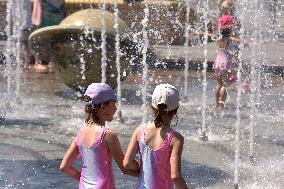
[(74, 47)]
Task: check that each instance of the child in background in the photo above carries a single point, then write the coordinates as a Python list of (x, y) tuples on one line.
[(224, 67), (46, 13), (26, 29), (160, 147), (96, 143)]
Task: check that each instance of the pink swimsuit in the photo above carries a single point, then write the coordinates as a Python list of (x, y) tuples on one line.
[(223, 60), (96, 165), (155, 170)]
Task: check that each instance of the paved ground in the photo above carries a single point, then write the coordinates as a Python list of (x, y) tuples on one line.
[(174, 56), (37, 131)]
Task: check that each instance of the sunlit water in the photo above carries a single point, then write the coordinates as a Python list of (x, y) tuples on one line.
[(34, 141), (36, 133)]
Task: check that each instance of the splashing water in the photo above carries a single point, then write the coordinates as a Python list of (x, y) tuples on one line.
[(232, 138), (144, 63), (103, 44), (186, 31), (118, 54), (204, 71)]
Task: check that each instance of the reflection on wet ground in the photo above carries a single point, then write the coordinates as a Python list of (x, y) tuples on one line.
[(37, 131)]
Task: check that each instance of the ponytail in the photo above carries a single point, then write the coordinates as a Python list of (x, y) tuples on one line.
[(158, 112)]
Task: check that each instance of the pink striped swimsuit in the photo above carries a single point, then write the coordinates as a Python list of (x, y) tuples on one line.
[(155, 170), (96, 165), (223, 60)]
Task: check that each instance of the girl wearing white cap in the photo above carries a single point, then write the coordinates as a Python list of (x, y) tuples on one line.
[(96, 143), (160, 147)]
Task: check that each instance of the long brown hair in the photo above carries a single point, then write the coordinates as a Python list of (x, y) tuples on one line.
[(157, 114)]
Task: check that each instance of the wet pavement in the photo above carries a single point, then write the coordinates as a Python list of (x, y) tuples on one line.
[(39, 127)]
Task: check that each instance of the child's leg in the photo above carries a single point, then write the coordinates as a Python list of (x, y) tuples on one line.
[(26, 57), (25, 48), (223, 96), (217, 94), (218, 90), (225, 78), (38, 66)]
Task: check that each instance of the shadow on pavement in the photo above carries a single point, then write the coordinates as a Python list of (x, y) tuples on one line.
[(45, 174)]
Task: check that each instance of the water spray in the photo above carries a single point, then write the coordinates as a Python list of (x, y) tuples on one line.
[(203, 135), (187, 27), (144, 63), (103, 44), (117, 60)]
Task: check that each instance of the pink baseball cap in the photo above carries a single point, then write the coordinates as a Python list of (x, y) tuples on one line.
[(100, 92), (227, 21)]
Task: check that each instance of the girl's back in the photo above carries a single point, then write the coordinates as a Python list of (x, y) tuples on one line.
[(95, 143), (155, 152), (159, 146), (96, 159)]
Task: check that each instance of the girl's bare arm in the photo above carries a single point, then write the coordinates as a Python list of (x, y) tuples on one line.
[(132, 149), (115, 148), (66, 165), (175, 161), (235, 39)]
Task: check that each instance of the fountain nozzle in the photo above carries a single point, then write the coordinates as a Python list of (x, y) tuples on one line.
[(236, 186), (203, 137), (120, 118), (252, 160)]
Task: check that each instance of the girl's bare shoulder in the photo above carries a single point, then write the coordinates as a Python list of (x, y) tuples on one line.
[(111, 137), (178, 137), (138, 130), (111, 132), (140, 127)]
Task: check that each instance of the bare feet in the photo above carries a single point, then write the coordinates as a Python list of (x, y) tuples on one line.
[(39, 68), (220, 105), (50, 67), (26, 67)]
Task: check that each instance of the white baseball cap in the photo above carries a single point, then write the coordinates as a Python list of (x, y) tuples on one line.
[(165, 94)]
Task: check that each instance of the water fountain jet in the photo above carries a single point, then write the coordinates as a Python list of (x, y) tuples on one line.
[(220, 157)]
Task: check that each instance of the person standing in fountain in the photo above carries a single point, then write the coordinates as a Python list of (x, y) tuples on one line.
[(26, 29), (96, 143), (159, 145), (46, 13), (224, 67)]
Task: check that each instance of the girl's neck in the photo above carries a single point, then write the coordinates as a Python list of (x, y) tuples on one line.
[(100, 123), (164, 126), (96, 123)]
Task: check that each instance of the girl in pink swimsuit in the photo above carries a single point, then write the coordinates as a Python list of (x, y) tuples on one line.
[(96, 144), (224, 68), (160, 147)]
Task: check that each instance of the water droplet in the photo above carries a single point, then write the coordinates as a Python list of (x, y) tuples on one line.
[(138, 93)]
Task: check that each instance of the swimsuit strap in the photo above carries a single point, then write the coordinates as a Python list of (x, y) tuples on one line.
[(169, 138), (171, 135), (142, 134), (102, 135), (78, 139)]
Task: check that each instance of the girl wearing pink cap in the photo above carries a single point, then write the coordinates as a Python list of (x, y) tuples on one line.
[(224, 67), (96, 143), (160, 146)]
